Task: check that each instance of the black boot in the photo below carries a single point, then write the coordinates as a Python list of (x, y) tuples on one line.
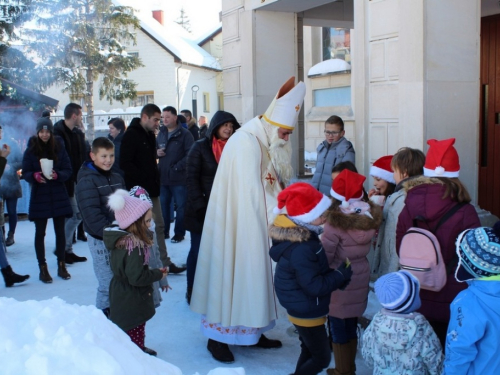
[(10, 239), (44, 274), (149, 351), (220, 351), (11, 277), (62, 272), (266, 343), (80, 235)]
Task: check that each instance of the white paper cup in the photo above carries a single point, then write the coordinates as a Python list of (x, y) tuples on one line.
[(47, 166)]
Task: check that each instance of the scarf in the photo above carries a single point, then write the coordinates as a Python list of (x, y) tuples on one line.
[(218, 147)]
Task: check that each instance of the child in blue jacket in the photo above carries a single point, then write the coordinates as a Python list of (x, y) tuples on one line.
[(474, 329), (303, 279)]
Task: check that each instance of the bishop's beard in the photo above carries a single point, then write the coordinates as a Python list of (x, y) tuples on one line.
[(281, 156)]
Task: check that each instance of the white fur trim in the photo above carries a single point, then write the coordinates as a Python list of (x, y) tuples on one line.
[(345, 204), (432, 173), (277, 210), (316, 212), (116, 201), (342, 198), (382, 173)]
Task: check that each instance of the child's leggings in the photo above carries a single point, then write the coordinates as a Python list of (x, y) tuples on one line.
[(342, 330), (138, 335)]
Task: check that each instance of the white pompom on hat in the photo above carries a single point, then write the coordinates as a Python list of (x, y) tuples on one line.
[(441, 159), (285, 107), (347, 187), (302, 202), (127, 209), (382, 169)]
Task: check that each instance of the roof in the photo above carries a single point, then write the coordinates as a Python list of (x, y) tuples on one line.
[(44, 99), (209, 34)]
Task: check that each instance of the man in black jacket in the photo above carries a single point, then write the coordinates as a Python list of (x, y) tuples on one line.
[(74, 142), (191, 124), (174, 143), (138, 162)]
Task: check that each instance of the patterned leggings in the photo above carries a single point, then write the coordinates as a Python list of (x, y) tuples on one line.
[(137, 335)]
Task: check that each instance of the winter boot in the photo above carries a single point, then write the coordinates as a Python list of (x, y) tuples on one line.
[(11, 277), (220, 351), (343, 360), (353, 346), (44, 274), (10, 239), (62, 272), (149, 351)]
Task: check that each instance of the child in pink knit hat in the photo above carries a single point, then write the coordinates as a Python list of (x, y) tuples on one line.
[(131, 291)]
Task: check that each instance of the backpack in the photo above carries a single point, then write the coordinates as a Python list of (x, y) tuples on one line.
[(420, 253)]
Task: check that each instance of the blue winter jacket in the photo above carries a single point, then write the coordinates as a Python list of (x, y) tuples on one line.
[(303, 280), (474, 330)]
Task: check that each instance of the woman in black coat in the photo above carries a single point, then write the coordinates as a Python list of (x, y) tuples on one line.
[(201, 166), (116, 129), (49, 197)]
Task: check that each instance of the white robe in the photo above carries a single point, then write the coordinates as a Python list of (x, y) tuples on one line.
[(234, 279)]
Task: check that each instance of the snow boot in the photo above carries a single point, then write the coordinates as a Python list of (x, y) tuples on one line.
[(10, 239), (44, 274), (149, 351), (62, 272), (220, 351), (11, 277), (342, 354)]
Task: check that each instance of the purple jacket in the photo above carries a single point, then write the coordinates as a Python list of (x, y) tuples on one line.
[(350, 236), (424, 198)]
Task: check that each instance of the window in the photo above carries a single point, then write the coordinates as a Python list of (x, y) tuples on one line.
[(220, 101), (337, 96), (135, 54), (206, 102), (143, 98), (336, 44)]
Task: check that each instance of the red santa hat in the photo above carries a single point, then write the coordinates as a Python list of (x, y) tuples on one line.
[(302, 202), (347, 187), (382, 169), (441, 159)]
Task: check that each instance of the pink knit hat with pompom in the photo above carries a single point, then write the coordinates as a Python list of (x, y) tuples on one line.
[(127, 209)]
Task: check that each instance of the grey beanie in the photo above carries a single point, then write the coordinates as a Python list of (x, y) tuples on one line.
[(44, 123)]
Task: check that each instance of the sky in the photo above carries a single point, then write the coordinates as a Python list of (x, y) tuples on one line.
[(47, 329), (203, 14)]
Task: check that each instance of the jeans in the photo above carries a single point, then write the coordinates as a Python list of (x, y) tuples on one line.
[(72, 224), (40, 227), (192, 258), (102, 270), (343, 330), (179, 193), (315, 353), (160, 231), (11, 204)]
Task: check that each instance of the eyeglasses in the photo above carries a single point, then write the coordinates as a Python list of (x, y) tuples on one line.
[(327, 132)]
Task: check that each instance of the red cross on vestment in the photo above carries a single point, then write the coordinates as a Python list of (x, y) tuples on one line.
[(270, 178)]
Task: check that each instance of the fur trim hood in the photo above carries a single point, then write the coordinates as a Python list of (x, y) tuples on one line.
[(338, 219), (420, 180), (292, 234)]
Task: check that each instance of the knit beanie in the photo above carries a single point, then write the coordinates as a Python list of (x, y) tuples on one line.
[(302, 202), (441, 159), (127, 209), (398, 292), (44, 123), (141, 193), (478, 252), (382, 169)]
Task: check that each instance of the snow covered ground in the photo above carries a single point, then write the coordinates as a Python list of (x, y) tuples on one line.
[(53, 337)]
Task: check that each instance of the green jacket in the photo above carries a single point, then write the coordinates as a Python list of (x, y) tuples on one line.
[(130, 290)]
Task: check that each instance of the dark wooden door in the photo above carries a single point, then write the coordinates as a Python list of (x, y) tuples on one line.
[(489, 117)]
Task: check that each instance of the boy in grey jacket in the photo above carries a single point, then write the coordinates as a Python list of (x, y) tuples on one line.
[(333, 150), (95, 183)]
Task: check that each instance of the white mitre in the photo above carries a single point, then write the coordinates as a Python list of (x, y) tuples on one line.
[(285, 107)]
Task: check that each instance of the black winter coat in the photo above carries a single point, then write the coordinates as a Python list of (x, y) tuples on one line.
[(173, 164), (201, 167), (138, 159), (194, 129), (118, 144), (74, 142), (92, 192), (303, 279), (51, 198), (203, 131)]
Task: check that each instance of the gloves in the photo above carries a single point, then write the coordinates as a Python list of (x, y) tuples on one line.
[(38, 177), (54, 175), (346, 272)]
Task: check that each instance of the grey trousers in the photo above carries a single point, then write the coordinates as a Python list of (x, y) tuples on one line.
[(160, 231), (102, 269), (72, 224)]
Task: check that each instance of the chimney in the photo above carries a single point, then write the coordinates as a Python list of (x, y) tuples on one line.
[(158, 15)]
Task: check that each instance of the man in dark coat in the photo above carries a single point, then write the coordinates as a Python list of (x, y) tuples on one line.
[(74, 142), (138, 162), (191, 124)]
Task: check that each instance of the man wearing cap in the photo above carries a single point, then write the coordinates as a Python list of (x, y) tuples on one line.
[(233, 288)]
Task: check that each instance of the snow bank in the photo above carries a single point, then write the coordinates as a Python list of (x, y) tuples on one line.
[(52, 337)]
